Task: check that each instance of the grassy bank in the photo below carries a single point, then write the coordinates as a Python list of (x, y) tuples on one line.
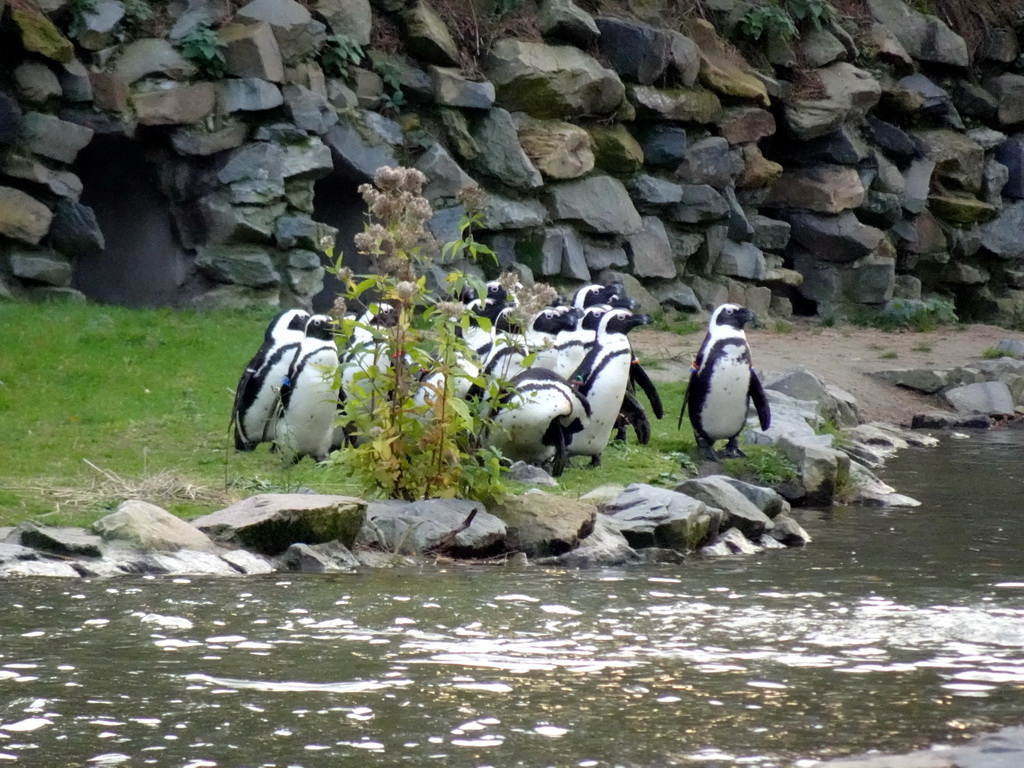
[(102, 403)]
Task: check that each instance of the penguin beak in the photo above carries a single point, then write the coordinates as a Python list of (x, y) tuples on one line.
[(746, 316), (636, 320)]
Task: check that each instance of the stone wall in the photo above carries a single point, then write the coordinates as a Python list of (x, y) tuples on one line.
[(867, 160)]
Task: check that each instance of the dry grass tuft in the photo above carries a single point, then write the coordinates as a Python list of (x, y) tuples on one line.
[(163, 488)]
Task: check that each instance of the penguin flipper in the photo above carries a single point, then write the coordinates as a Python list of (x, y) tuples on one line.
[(756, 392), (639, 376), (686, 396), (634, 414)]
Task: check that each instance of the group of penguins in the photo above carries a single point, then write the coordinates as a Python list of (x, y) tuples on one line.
[(568, 378)]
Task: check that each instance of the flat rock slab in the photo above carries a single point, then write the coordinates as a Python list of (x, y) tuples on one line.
[(150, 528), (271, 522), (75, 542), (543, 525), (419, 527), (649, 516)]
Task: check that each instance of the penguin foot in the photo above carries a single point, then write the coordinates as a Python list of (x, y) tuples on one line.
[(595, 461), (732, 450), (706, 449)]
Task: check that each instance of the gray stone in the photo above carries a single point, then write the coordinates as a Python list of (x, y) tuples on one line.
[(989, 397), (44, 267), (818, 47), (262, 161), (330, 557), (302, 232), (298, 34), (844, 146), (768, 500), (541, 524), (358, 149), (730, 542), (924, 36), (849, 93), (652, 194), (501, 154), (240, 264), (700, 204), (528, 474), (247, 563), (605, 547), (740, 228), (638, 52), (444, 175), (597, 203), (193, 140), (839, 238), (272, 522), (677, 296), (917, 179), (744, 260), (1008, 89), (238, 297), (708, 161), (769, 234), (348, 17), (149, 528), (308, 110), (49, 136), (801, 384), (251, 50), (917, 92), (685, 58), (739, 511), (822, 188), (957, 158), (650, 251), (657, 517), (22, 217), (36, 83), (453, 89), (428, 37), (306, 160), (972, 100), (822, 470), (1012, 347), (564, 20), (75, 83), (1001, 237), (74, 230), (602, 255), (10, 119), (98, 21), (152, 56), (57, 540), (551, 81), (947, 420), (789, 532), (49, 568), (890, 138), (742, 125), (501, 212), (11, 553), (663, 145), (247, 94)]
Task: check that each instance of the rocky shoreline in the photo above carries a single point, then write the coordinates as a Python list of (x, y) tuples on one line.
[(815, 425)]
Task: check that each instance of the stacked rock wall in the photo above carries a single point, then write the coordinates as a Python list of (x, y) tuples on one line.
[(864, 160)]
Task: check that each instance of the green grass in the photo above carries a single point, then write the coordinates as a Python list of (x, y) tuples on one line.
[(102, 403), (141, 394)]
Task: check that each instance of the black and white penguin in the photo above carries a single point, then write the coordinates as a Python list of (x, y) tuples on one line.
[(613, 294), (256, 396), (309, 396), (602, 378), (364, 351), (536, 417), (723, 383)]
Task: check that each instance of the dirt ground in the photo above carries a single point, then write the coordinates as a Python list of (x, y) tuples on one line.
[(845, 356)]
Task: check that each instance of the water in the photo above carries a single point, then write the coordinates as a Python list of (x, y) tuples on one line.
[(893, 630)]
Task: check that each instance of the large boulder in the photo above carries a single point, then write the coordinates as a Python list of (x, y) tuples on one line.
[(721, 68), (740, 512), (50, 137), (597, 203), (678, 104), (551, 81), (272, 522), (298, 34), (822, 188), (434, 525), (24, 218), (651, 251), (428, 37), (149, 528), (638, 52), (559, 150), (564, 20), (541, 524), (501, 154), (925, 37), (834, 238), (847, 94), (989, 397), (360, 144), (153, 56), (958, 159), (649, 516)]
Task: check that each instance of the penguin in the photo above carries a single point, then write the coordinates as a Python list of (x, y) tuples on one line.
[(723, 383), (363, 351), (257, 393), (613, 294), (309, 396), (602, 378), (536, 416)]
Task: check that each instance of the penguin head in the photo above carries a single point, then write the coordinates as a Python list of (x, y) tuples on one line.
[(554, 319), (621, 321), (289, 320), (382, 315), (320, 327), (731, 315), (591, 318)]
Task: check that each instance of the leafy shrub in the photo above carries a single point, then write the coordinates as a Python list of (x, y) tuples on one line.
[(203, 47), (819, 12), (403, 445), (767, 21), (340, 52), (765, 463), (917, 315)]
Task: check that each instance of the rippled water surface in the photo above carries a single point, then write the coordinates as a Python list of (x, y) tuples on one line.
[(894, 629)]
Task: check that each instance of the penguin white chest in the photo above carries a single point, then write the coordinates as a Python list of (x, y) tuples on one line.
[(724, 410)]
